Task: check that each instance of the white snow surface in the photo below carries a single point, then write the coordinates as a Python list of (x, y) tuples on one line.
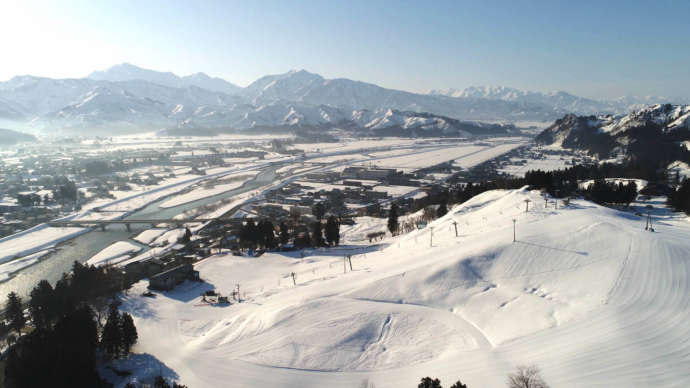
[(114, 253), (203, 191), (149, 235), (585, 292)]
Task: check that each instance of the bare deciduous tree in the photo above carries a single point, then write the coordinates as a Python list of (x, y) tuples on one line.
[(526, 376)]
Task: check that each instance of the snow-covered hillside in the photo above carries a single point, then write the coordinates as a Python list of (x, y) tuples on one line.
[(663, 123), (585, 292)]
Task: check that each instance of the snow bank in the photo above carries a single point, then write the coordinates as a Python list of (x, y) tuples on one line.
[(169, 237), (114, 253), (149, 235), (203, 192)]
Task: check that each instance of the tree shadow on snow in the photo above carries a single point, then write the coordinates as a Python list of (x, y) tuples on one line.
[(138, 368), (189, 290), (339, 251)]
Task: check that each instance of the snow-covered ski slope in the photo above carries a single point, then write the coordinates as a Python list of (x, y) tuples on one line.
[(585, 293)]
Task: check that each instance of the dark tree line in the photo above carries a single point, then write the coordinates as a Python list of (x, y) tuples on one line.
[(679, 199), (428, 382), (393, 224), (119, 333), (258, 235), (65, 190), (264, 235), (563, 183), (605, 192), (60, 356), (65, 341)]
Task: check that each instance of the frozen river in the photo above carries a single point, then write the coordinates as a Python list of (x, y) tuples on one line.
[(83, 247)]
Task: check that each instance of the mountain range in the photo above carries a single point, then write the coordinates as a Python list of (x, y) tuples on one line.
[(559, 100), (126, 98)]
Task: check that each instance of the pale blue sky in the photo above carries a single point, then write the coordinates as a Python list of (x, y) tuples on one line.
[(597, 49)]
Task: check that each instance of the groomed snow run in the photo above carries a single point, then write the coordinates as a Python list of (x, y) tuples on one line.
[(585, 293)]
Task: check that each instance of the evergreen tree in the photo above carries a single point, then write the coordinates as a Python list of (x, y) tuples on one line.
[(111, 338), (319, 210), (159, 382), (458, 384), (63, 295), (129, 333), (317, 234), (442, 209), (63, 356), (332, 231), (187, 237), (249, 235), (393, 219), (284, 234), (428, 382), (42, 305), (15, 312), (268, 235), (680, 198)]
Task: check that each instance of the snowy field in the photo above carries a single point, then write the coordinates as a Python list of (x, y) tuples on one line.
[(204, 191), (585, 292), (354, 145), (465, 155), (550, 163)]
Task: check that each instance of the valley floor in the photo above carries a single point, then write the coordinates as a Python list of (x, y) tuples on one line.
[(585, 293)]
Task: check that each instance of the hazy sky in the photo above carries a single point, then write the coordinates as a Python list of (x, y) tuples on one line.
[(596, 49)]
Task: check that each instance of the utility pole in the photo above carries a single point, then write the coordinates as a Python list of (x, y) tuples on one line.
[(648, 225), (651, 229), (431, 236), (514, 220), (455, 225)]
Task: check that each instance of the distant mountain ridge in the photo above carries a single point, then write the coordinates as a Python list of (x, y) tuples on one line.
[(126, 98), (654, 133), (129, 72), (559, 100), (10, 137)]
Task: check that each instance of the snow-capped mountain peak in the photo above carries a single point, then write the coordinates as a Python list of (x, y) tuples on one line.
[(128, 72)]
